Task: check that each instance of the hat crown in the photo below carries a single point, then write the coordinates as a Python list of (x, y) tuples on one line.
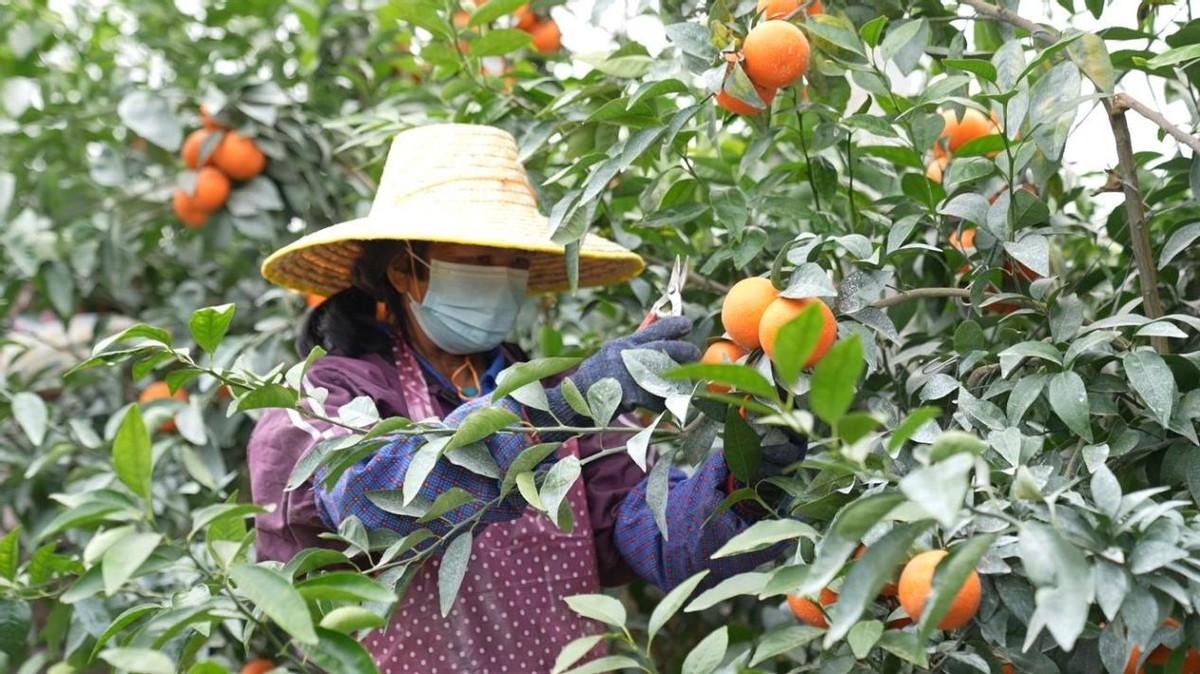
[(457, 167)]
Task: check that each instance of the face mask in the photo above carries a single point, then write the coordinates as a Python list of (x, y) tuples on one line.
[(470, 308)]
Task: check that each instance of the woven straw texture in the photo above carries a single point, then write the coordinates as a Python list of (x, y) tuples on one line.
[(451, 183)]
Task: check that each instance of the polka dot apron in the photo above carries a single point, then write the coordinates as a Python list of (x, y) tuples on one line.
[(509, 615)]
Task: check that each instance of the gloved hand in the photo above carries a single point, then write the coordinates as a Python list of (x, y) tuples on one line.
[(665, 334)]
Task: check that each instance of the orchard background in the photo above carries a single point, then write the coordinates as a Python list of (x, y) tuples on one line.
[(1026, 400)]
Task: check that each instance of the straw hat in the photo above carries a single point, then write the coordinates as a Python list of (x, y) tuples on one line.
[(452, 183)]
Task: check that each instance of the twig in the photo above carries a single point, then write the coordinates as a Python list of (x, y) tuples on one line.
[(921, 293), (1135, 208), (1126, 101)]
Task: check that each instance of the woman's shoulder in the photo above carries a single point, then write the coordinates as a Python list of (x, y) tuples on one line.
[(345, 378)]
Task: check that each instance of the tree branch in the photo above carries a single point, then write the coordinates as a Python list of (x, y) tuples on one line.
[(921, 293), (1135, 208), (1127, 101)]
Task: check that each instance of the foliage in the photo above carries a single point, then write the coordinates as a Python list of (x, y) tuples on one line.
[(1039, 425)]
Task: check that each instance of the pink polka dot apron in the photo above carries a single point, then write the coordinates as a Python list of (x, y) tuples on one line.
[(509, 615)]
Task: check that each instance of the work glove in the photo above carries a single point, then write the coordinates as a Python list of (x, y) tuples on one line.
[(665, 335)]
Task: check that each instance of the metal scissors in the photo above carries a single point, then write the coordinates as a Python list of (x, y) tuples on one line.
[(672, 296)]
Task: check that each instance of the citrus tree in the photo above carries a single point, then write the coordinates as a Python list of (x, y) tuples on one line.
[(996, 367)]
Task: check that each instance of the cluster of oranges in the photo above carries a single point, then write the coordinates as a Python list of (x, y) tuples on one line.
[(956, 133), (1162, 655), (547, 38), (910, 591), (752, 313), (227, 156), (774, 54)]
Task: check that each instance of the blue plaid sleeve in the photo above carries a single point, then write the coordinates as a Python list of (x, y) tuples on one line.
[(691, 542), (385, 470)]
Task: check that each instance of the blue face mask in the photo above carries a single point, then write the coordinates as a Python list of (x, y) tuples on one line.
[(469, 308)]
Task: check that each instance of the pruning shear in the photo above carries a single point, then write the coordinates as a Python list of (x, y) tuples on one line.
[(672, 296)]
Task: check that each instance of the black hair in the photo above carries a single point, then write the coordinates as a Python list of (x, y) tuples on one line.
[(345, 324)]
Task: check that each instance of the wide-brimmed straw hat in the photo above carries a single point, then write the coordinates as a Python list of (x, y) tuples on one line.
[(451, 183)]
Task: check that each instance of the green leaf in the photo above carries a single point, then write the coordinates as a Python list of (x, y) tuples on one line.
[(452, 570), (149, 115), (741, 377), (122, 559), (608, 663), (708, 654), (952, 572), (1068, 399), (268, 396), (492, 10), (795, 342), (949, 443), (940, 489), (845, 533), (1063, 581), (125, 619), (782, 640), (1153, 380), (835, 379), (979, 67), (347, 619), (574, 650), (274, 595), (863, 637), (604, 397), (763, 534), (871, 31), (202, 517), (559, 479), (500, 42), (669, 605), (742, 448), (480, 424), (868, 575), (520, 374), (131, 453), (451, 499), (599, 607), (1091, 55), (337, 653), (138, 660), (10, 553), (1189, 52), (344, 586), (637, 446), (209, 325), (30, 413), (915, 419)]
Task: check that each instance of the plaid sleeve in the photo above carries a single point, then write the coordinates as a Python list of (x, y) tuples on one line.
[(691, 542), (385, 470)]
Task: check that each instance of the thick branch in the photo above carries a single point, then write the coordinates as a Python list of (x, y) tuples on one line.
[(1125, 100)]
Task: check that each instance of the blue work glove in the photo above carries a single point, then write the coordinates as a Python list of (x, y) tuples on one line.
[(665, 335)]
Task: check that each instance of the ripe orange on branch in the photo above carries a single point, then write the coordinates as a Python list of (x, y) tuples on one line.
[(782, 9), (547, 38), (776, 54), (258, 666), (721, 351), (742, 310), (187, 211), (525, 18), (936, 168), (916, 582), (239, 157), (159, 390), (212, 189), (191, 148), (958, 132), (807, 610), (739, 107), (782, 311)]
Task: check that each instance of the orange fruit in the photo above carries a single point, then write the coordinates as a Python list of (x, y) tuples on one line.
[(958, 132), (212, 189), (782, 9), (739, 107), (239, 157), (526, 19), (207, 120), (776, 54), (807, 610), (1007, 668), (191, 148), (721, 351), (889, 589), (743, 307), (160, 391), (783, 310), (936, 167), (916, 581), (187, 211), (547, 38), (258, 666), (1161, 655), (313, 300), (964, 242), (461, 18)]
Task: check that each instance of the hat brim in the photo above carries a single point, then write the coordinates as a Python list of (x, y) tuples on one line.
[(322, 262)]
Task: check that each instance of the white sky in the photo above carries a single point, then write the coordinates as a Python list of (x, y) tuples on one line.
[(1090, 149)]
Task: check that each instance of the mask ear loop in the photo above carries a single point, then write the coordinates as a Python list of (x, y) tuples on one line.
[(412, 266), (474, 377)]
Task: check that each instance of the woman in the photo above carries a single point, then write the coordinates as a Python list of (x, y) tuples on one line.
[(423, 292)]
